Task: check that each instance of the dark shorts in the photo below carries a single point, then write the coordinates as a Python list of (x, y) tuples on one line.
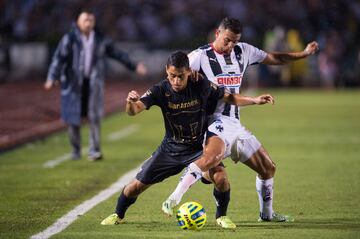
[(162, 165)]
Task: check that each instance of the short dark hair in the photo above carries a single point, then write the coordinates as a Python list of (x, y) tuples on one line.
[(178, 59), (232, 24), (84, 10)]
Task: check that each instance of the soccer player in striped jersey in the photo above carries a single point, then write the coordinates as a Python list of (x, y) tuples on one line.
[(185, 105), (224, 63)]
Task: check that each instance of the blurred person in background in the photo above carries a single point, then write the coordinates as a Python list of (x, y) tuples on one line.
[(298, 69), (329, 60), (79, 64), (275, 40)]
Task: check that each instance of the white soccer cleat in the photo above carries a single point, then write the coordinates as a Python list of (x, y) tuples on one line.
[(168, 207), (276, 217)]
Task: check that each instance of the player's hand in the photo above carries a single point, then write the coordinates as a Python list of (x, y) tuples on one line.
[(133, 96), (196, 76), (49, 84), (264, 99), (141, 69), (311, 48)]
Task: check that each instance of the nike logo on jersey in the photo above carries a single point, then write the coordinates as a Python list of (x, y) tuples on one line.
[(229, 79)]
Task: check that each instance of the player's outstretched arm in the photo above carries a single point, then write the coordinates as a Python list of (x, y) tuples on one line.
[(264, 99), (133, 103), (241, 100), (281, 58)]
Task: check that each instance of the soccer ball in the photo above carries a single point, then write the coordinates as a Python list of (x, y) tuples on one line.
[(191, 215)]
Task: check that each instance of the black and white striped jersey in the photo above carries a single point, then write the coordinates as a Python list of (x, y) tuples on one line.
[(226, 70)]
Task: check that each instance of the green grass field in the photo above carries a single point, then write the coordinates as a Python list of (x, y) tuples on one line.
[(313, 136)]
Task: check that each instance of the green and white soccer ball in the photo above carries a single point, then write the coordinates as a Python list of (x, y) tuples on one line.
[(191, 215)]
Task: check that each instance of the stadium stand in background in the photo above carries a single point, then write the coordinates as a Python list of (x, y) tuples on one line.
[(160, 24), (151, 29)]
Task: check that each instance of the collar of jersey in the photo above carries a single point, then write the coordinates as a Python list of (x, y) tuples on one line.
[(212, 46)]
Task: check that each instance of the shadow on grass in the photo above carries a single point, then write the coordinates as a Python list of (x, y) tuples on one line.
[(331, 224)]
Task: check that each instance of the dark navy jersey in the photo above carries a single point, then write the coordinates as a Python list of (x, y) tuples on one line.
[(185, 113)]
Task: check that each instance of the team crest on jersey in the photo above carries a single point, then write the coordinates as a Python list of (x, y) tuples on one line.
[(229, 79), (219, 128)]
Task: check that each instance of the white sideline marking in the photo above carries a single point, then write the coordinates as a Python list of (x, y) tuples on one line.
[(61, 159), (56, 161), (84, 207), (111, 137), (122, 133)]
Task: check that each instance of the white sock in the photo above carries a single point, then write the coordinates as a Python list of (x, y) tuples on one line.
[(192, 175), (264, 189)]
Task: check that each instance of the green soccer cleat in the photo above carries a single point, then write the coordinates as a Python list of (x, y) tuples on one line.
[(225, 222), (277, 218), (113, 219), (168, 207)]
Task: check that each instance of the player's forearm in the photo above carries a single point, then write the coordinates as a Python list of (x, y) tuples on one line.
[(132, 108), (239, 100), (281, 58)]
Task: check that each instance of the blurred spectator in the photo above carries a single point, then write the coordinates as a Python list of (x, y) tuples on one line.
[(185, 24), (330, 60), (275, 41), (298, 69), (79, 64)]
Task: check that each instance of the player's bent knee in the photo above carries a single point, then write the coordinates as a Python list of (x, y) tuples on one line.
[(213, 154), (273, 169), (221, 182), (220, 179), (268, 171), (210, 161), (134, 188)]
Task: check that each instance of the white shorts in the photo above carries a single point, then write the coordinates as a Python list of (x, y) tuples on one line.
[(240, 144)]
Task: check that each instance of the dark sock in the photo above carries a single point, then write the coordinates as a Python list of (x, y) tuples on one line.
[(222, 199), (123, 204)]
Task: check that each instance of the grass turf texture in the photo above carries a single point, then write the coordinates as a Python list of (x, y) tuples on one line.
[(313, 137)]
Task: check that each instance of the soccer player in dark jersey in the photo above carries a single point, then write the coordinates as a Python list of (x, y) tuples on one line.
[(224, 63), (185, 106)]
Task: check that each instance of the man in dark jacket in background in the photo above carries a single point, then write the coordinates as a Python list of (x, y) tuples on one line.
[(79, 64)]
